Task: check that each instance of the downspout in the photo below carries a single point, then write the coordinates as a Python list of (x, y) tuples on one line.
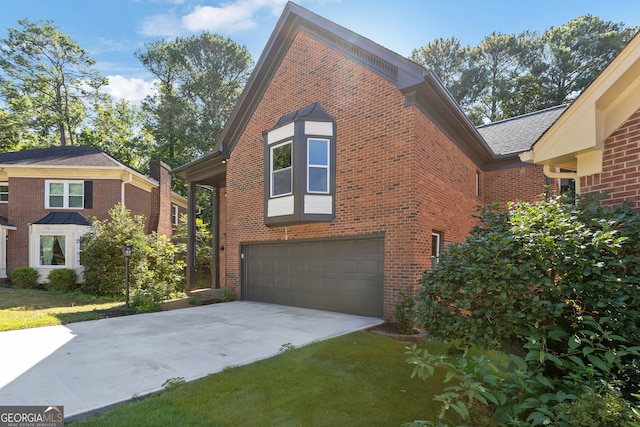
[(562, 175), (122, 203)]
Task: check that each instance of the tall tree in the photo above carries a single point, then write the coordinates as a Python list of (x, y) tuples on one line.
[(47, 81), (117, 128), (199, 81), (572, 55), (508, 75)]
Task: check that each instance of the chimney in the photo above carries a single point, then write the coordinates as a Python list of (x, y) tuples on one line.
[(160, 214)]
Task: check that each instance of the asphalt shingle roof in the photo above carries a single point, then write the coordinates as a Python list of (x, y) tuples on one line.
[(518, 134), (60, 156)]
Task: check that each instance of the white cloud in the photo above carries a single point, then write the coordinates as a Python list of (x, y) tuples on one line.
[(229, 17), (161, 26), (132, 89)]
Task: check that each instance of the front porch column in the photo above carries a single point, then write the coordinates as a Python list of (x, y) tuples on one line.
[(191, 237)]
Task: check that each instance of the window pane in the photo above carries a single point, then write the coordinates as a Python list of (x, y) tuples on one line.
[(319, 152), (52, 250), (318, 181), (56, 188), (281, 157), (281, 182), (76, 189), (4, 193), (76, 201), (56, 201)]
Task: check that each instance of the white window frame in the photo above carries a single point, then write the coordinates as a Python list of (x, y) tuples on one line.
[(65, 195), (7, 192), (438, 247), (271, 184), (175, 215), (327, 167)]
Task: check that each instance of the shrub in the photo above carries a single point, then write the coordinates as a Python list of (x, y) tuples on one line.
[(146, 301), (559, 279), (152, 264), (25, 277), (227, 294), (405, 312), (62, 280)]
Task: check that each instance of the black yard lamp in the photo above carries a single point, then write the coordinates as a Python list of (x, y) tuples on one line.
[(127, 254)]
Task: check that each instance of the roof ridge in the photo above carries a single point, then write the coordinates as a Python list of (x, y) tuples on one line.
[(532, 113)]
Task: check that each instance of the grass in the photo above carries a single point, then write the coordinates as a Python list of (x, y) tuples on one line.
[(32, 308), (360, 379)]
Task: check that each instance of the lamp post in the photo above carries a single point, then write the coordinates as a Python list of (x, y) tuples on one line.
[(127, 254)]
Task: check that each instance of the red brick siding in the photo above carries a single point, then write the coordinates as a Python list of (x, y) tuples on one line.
[(138, 201), (397, 173), (522, 184), (620, 177), (27, 205)]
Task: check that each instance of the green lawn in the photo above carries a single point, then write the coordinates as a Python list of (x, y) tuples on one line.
[(31, 308), (360, 379)]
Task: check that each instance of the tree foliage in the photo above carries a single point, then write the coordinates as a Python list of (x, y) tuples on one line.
[(509, 75), (47, 84), (199, 80), (560, 281), (152, 265)]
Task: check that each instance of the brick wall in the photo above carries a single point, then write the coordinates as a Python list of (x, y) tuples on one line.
[(522, 184), (397, 173), (620, 177), (160, 207), (27, 205)]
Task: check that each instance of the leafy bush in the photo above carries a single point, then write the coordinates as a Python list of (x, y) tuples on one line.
[(146, 301), (62, 280), (561, 281), (405, 312), (152, 264), (227, 294), (25, 277)]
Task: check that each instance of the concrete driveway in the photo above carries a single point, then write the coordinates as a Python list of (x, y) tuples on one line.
[(93, 365)]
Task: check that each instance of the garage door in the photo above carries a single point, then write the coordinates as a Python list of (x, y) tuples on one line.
[(336, 275)]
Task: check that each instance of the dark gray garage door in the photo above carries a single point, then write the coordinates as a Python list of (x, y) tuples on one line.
[(336, 275)]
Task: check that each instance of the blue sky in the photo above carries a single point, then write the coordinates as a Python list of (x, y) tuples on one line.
[(112, 30)]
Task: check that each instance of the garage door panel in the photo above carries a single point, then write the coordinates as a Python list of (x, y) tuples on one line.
[(337, 275)]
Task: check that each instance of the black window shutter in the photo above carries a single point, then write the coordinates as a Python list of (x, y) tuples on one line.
[(88, 194)]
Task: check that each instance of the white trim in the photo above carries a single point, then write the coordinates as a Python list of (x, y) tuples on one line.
[(71, 232), (3, 183), (271, 171), (318, 128), (280, 206), (327, 167), (175, 215), (65, 193), (281, 133)]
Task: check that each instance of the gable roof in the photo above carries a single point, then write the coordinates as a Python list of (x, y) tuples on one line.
[(518, 134), (69, 156), (420, 87)]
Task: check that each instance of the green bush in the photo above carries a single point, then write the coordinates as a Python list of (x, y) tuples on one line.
[(152, 264), (62, 280), (405, 312), (146, 301), (25, 277), (561, 281), (227, 294)]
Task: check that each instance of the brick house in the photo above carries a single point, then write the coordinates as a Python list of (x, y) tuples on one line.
[(596, 141), (345, 168), (47, 196)]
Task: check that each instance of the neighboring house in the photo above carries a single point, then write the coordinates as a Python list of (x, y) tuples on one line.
[(344, 170), (597, 139), (47, 196)]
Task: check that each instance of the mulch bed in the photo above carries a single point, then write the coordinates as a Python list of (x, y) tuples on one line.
[(391, 330)]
